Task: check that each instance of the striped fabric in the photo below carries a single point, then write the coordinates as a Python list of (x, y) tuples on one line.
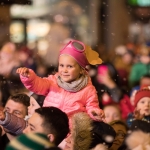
[(31, 141)]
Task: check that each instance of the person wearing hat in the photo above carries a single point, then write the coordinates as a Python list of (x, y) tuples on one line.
[(142, 106), (70, 89), (14, 124), (34, 141)]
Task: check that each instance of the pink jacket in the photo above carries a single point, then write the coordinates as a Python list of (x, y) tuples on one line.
[(83, 101)]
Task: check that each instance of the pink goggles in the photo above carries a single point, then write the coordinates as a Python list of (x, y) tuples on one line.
[(76, 49)]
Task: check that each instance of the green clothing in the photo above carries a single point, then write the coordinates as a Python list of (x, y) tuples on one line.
[(137, 71)]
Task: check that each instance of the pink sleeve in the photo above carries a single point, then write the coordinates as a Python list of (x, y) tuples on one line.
[(36, 84), (92, 100)]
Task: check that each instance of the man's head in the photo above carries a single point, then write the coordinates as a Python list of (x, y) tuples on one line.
[(17, 104), (50, 121)]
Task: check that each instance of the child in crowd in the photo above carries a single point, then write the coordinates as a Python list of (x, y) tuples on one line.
[(112, 112), (142, 106), (16, 125), (70, 89)]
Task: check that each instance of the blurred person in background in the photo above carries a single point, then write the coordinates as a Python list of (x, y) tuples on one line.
[(123, 62), (112, 112), (141, 106), (142, 67), (42, 70), (107, 84), (138, 140), (121, 130), (9, 63), (107, 81), (4, 91), (8, 60), (26, 57), (144, 81)]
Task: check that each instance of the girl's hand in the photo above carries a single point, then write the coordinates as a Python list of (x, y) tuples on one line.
[(137, 114), (2, 115), (23, 71), (98, 115)]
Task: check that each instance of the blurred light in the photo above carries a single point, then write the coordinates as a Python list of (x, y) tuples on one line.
[(37, 29), (142, 3), (31, 44), (42, 47), (17, 32)]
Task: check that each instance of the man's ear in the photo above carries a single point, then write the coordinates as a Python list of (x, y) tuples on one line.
[(51, 137)]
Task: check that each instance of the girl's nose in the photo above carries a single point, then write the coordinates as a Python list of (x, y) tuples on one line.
[(65, 69)]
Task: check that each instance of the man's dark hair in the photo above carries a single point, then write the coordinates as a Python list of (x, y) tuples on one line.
[(55, 122), (20, 98)]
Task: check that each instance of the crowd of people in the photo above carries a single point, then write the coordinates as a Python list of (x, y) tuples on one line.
[(86, 103)]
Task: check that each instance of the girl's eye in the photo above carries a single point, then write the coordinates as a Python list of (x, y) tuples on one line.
[(61, 65), (69, 66)]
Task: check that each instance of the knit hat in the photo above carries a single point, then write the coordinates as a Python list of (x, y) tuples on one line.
[(102, 133), (143, 92), (83, 54), (39, 99), (35, 141)]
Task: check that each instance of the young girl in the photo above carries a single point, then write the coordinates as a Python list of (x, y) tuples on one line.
[(142, 106), (16, 125), (70, 89)]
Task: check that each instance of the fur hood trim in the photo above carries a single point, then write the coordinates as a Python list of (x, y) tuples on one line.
[(81, 131)]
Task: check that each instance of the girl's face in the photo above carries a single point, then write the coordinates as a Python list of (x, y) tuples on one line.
[(33, 105), (144, 106), (112, 113), (68, 69)]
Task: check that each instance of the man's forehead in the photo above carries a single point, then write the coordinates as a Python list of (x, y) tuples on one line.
[(12, 102), (35, 119), (15, 105)]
